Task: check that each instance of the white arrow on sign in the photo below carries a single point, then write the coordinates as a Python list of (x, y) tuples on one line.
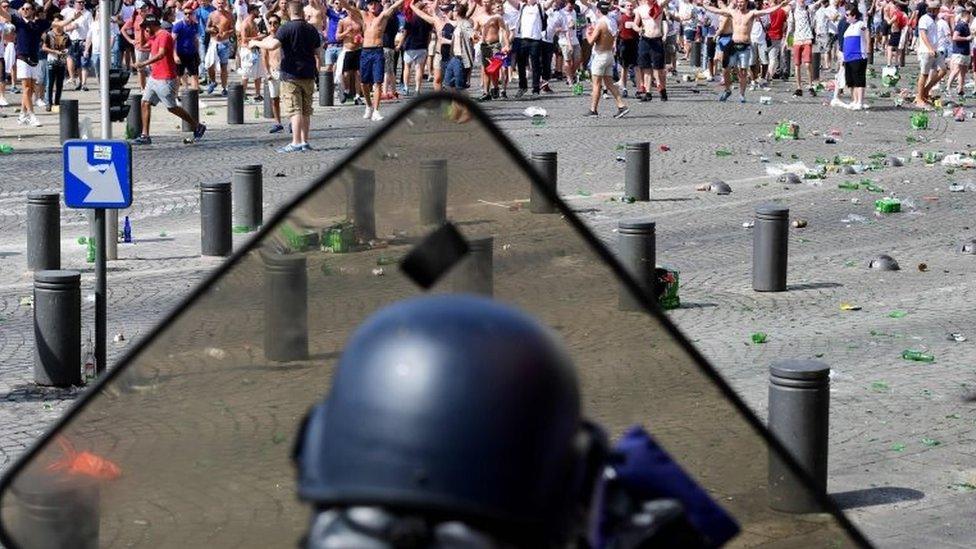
[(102, 179)]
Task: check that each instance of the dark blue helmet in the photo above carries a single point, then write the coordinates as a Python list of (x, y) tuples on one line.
[(456, 406)]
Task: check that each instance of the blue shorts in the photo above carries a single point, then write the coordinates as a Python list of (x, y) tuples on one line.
[(223, 52), (689, 34), (77, 53), (454, 74), (371, 66), (332, 54)]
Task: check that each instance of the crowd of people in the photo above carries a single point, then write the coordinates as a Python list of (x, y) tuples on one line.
[(380, 50)]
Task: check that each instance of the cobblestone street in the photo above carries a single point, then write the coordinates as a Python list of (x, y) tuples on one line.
[(902, 433)]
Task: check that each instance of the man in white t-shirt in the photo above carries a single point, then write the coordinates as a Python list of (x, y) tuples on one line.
[(931, 65), (78, 62), (530, 33)]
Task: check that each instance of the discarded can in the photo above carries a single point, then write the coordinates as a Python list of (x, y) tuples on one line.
[(765, 100), (920, 121), (667, 285), (339, 239), (787, 130), (848, 185), (298, 239), (759, 337), (917, 356), (887, 205)]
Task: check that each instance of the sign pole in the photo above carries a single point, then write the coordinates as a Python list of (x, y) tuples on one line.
[(106, 9), (100, 291), (105, 60)]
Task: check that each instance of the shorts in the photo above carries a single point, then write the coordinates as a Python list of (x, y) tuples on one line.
[(189, 64), (124, 45), (488, 51), (689, 34), (160, 92), (389, 61), (960, 59), (331, 54), (628, 52), (855, 73), (722, 44), (650, 53), (250, 64), (802, 53), (415, 57), (223, 52), (894, 39), (350, 60), (930, 62), (825, 42), (760, 53), (739, 55), (76, 51), (27, 72), (601, 63), (572, 52), (671, 44), (296, 97), (274, 86), (371, 65), (454, 73)]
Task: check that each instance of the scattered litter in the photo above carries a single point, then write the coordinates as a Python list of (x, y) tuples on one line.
[(896, 161), (830, 141), (162, 234), (799, 223), (897, 314), (923, 267), (930, 442), (748, 224), (759, 337), (969, 247), (787, 129), (723, 152), (6, 149), (82, 240), (855, 218), (957, 188), (887, 205), (621, 159), (215, 352), (849, 307), (721, 187), (898, 447), (917, 356), (27, 301), (765, 100), (957, 160), (119, 338), (664, 148), (958, 338), (533, 112), (583, 192), (879, 386), (884, 262), (791, 178), (919, 121), (704, 187), (378, 271), (280, 174), (962, 487)]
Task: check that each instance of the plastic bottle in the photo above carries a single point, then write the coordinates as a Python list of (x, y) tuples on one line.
[(917, 356), (88, 370), (126, 230), (723, 152), (91, 250), (849, 185)]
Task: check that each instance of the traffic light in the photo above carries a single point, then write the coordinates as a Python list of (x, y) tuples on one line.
[(118, 94)]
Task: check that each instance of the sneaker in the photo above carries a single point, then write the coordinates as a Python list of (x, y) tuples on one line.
[(277, 128), (742, 99), (290, 148), (504, 94), (358, 100), (198, 133), (812, 91), (621, 112), (4, 102), (223, 92), (835, 102), (664, 95), (143, 140), (78, 87), (306, 147), (376, 116), (21, 119), (32, 121), (547, 89), (725, 95), (591, 114), (368, 113), (485, 97), (798, 93), (520, 93), (14, 90), (85, 88), (47, 108), (258, 98), (494, 93), (211, 87), (39, 102), (606, 94)]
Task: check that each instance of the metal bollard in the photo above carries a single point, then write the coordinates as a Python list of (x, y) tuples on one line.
[(326, 88), (285, 307), (770, 248), (43, 230), (815, 61), (215, 219), (637, 182), (695, 54), (433, 192), (235, 104), (474, 273), (637, 251), (57, 328), (190, 101), (133, 122), (799, 410), (68, 114), (55, 510), (360, 205), (546, 163), (248, 199), (268, 111)]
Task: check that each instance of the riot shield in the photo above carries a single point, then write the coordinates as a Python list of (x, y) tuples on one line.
[(187, 442)]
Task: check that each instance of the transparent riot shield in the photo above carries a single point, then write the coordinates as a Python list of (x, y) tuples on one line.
[(187, 442)]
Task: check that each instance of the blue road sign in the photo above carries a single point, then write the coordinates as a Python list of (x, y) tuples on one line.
[(97, 174)]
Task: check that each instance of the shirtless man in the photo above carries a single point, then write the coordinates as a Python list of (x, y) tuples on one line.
[(371, 63), (350, 32), (494, 40), (251, 66), (220, 27), (315, 14), (601, 37), (443, 29), (271, 52), (738, 53), (650, 50)]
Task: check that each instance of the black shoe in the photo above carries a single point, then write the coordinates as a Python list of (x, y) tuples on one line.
[(621, 112), (645, 98), (485, 97), (812, 91), (85, 88), (494, 93), (520, 93), (591, 114), (504, 94), (78, 87), (639, 95), (535, 93), (664, 95), (798, 93), (546, 89)]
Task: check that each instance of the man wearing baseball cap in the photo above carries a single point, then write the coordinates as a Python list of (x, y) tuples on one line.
[(162, 83)]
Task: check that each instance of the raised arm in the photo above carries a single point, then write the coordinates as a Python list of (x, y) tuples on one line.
[(351, 9), (385, 14), (718, 11), (269, 43), (771, 9), (422, 13)]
